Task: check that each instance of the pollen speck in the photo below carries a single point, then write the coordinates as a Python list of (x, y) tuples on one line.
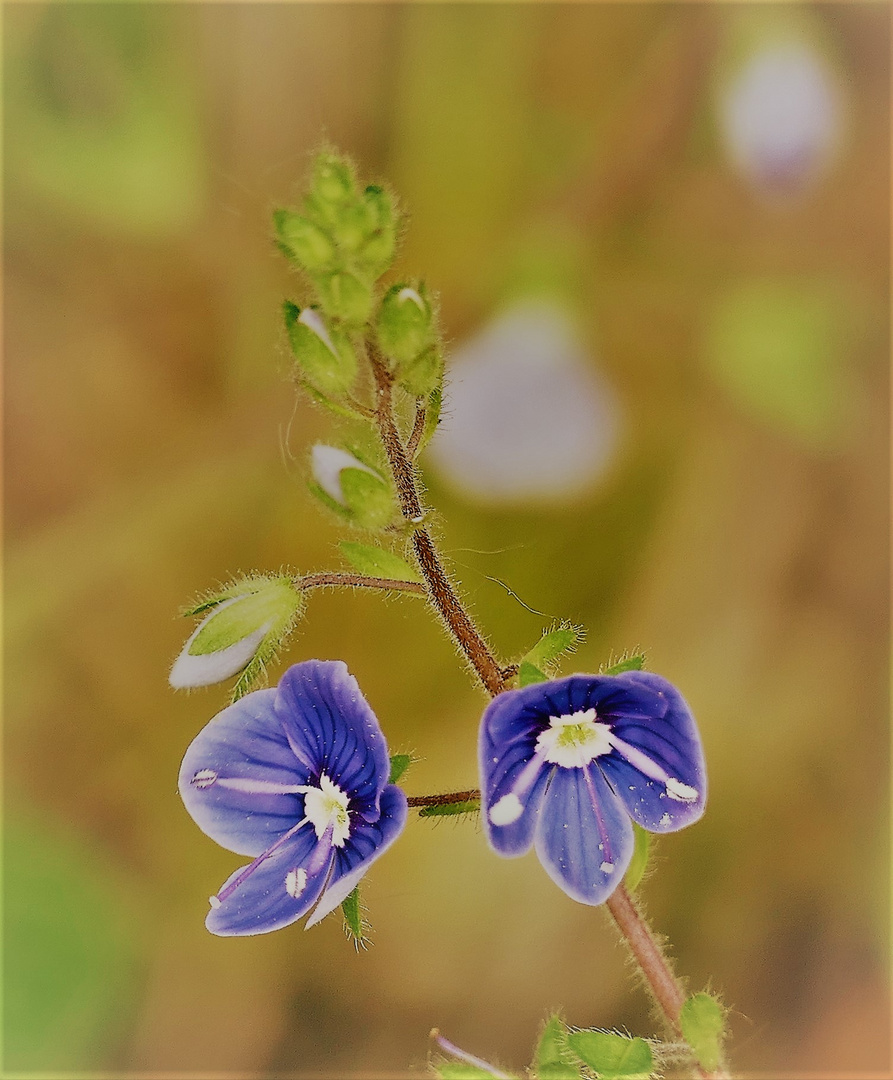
[(506, 810), (295, 880), (666, 819), (607, 867)]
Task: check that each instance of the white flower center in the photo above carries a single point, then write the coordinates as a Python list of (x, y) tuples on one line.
[(573, 740), (327, 805)]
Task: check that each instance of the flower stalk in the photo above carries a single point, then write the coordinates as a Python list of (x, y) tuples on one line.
[(662, 983)]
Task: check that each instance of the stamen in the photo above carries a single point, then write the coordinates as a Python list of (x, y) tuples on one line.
[(204, 778), (295, 880), (511, 806), (252, 866), (675, 788)]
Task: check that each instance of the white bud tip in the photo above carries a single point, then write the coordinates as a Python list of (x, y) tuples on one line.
[(411, 294), (313, 321), (681, 792), (507, 810)]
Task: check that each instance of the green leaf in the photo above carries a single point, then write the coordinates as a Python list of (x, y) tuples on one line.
[(369, 499), (354, 924), (549, 1062), (399, 764), (528, 674), (553, 644), (639, 861), (377, 562), (703, 1021), (459, 1070), (612, 1056), (467, 806), (626, 663)]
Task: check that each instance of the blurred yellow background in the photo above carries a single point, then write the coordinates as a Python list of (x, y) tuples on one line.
[(702, 192)]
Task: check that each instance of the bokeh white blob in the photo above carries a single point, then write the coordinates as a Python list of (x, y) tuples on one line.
[(781, 116), (526, 416)]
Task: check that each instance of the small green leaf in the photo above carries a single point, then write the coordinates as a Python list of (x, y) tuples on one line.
[(369, 499), (459, 1070), (453, 809), (612, 1056), (528, 674), (553, 644), (639, 861), (703, 1021), (376, 562), (626, 663), (354, 924), (549, 1062), (399, 764)]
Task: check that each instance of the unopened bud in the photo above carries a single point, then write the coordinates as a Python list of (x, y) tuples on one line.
[(422, 375), (380, 246), (351, 487), (333, 179), (405, 323), (345, 296), (246, 623), (324, 353), (303, 241)]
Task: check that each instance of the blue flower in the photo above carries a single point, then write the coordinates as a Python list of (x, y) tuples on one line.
[(298, 778), (565, 765)]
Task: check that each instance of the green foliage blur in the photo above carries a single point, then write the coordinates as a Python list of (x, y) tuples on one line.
[(738, 535)]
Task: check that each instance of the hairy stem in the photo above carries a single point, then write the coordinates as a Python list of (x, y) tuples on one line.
[(316, 581), (440, 590), (446, 799), (665, 987)]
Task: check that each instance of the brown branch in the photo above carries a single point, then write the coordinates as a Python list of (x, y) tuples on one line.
[(316, 581), (418, 429)]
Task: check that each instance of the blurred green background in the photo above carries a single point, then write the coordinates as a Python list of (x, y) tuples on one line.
[(716, 227)]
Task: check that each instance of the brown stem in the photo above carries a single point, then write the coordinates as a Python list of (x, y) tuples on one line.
[(445, 799), (664, 985), (418, 428), (439, 588), (315, 581)]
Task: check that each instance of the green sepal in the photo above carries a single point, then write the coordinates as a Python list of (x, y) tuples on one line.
[(432, 415), (337, 407), (423, 375), (612, 1056), (355, 926), (404, 324), (554, 644), (634, 662), (369, 499), (303, 241), (703, 1022), (399, 764), (323, 353), (639, 862), (550, 1061), (467, 806), (528, 674), (380, 247), (256, 603), (345, 296), (377, 562)]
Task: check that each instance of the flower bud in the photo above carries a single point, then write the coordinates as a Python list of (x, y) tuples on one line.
[(350, 487), (345, 296), (405, 323), (301, 240), (245, 625), (333, 180), (324, 354), (424, 374), (377, 253)]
